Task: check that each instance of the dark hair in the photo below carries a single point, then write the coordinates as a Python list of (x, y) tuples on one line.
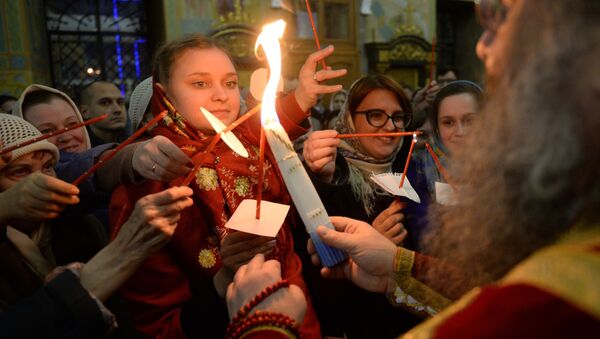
[(85, 93), (39, 97), (453, 88), (365, 85), (167, 53)]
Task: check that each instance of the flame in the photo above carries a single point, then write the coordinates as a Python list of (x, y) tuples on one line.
[(269, 40)]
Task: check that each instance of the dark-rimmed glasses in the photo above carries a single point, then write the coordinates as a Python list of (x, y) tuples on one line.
[(490, 13), (378, 118)]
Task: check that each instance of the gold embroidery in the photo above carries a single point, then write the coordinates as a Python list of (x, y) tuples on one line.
[(206, 178), (189, 148), (242, 186), (207, 258), (419, 294)]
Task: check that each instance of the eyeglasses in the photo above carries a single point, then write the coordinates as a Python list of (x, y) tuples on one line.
[(378, 118), (491, 13)]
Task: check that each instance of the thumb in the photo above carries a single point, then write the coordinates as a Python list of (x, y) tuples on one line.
[(340, 240)]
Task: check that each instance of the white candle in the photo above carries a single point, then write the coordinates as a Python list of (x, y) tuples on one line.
[(296, 179), (303, 192)]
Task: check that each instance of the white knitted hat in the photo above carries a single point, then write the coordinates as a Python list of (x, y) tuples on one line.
[(18, 109), (138, 102), (14, 130)]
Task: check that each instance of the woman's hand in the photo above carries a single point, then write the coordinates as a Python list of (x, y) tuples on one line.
[(150, 226), (37, 197), (160, 159), (237, 248), (309, 79), (154, 219), (389, 223), (320, 150), (424, 97), (258, 274)]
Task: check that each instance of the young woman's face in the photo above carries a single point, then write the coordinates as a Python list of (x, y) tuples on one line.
[(338, 101), (21, 168), (204, 78), (456, 115), (56, 115), (378, 147)]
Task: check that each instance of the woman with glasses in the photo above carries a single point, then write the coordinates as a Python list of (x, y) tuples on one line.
[(455, 109), (340, 170)]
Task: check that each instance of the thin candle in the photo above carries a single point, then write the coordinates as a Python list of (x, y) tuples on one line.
[(389, 134), (188, 180), (439, 166), (127, 141), (432, 61), (314, 29), (52, 134), (261, 174), (243, 118), (213, 143), (412, 146)]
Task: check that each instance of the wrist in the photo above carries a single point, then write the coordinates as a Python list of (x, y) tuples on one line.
[(304, 106)]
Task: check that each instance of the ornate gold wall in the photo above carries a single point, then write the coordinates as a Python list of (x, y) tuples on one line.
[(23, 46), (203, 16)]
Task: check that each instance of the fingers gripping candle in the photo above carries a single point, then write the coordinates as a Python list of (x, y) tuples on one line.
[(296, 179)]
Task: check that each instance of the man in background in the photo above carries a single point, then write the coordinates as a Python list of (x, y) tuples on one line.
[(100, 98)]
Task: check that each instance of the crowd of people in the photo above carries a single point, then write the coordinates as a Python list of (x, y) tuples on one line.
[(131, 252)]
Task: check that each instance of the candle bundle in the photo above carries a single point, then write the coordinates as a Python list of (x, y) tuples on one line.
[(303, 193)]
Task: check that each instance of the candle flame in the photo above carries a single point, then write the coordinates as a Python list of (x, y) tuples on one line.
[(269, 40)]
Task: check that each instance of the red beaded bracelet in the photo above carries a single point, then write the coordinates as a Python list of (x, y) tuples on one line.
[(262, 318), (243, 312), (242, 321)]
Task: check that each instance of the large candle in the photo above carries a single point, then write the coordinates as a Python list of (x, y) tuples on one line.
[(305, 197)]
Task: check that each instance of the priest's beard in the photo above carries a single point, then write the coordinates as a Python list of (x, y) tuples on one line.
[(529, 170)]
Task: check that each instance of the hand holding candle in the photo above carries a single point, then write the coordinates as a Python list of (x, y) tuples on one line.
[(127, 141)]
